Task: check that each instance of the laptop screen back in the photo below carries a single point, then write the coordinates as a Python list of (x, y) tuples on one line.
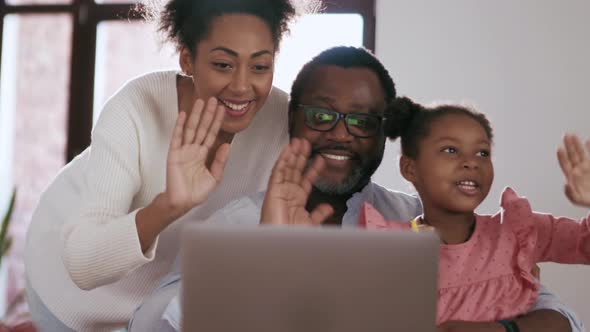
[(269, 279)]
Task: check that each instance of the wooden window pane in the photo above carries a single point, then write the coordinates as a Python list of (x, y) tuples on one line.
[(38, 2), (33, 102)]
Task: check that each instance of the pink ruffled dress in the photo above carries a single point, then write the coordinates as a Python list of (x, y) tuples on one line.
[(489, 277)]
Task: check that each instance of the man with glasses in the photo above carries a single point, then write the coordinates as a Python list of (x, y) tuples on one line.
[(338, 104)]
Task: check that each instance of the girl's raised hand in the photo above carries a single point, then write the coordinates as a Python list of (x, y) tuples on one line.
[(574, 160)]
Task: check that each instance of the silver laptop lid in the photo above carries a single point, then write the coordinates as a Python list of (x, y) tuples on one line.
[(312, 279)]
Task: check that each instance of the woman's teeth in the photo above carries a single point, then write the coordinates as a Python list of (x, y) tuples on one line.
[(234, 107)]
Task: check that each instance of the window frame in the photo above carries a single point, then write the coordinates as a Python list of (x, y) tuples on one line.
[(87, 14)]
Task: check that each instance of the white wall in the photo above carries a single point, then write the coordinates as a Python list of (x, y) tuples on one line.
[(526, 64)]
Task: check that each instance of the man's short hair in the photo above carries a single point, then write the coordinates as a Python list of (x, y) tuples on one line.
[(345, 57)]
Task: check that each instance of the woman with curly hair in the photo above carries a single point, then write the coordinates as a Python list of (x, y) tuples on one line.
[(106, 230)]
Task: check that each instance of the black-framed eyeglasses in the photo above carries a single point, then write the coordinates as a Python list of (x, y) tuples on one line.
[(361, 125)]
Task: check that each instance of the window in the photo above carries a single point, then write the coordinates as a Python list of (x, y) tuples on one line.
[(88, 20), (309, 36)]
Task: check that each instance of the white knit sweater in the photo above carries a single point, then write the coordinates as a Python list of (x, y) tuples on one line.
[(85, 220)]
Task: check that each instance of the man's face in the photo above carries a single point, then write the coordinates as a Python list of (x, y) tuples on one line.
[(350, 160)]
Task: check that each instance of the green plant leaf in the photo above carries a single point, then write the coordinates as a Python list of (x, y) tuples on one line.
[(6, 246), (4, 242)]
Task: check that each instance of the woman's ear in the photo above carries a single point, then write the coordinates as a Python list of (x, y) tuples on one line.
[(407, 167), (186, 61)]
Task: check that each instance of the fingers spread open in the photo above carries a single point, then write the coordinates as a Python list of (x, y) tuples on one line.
[(192, 122)]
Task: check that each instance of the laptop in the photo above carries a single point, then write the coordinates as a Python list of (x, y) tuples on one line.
[(307, 279)]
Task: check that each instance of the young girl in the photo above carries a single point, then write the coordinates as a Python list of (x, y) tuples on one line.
[(485, 260)]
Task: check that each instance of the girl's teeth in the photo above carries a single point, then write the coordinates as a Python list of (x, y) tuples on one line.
[(467, 185), (335, 157)]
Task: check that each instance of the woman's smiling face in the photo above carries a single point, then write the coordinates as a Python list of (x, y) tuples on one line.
[(234, 63)]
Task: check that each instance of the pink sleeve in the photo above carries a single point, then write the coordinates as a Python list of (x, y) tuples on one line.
[(545, 237), (370, 218), (563, 240)]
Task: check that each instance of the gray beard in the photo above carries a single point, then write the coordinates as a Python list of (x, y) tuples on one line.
[(347, 187)]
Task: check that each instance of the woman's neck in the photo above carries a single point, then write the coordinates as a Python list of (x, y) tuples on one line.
[(452, 228), (185, 93)]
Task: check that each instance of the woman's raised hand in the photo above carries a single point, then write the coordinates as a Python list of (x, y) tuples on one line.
[(189, 180)]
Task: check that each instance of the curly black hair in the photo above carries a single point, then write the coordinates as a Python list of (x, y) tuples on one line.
[(186, 22), (345, 57), (411, 121)]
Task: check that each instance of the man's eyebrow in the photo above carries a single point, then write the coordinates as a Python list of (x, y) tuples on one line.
[(322, 98), (372, 109), (235, 54)]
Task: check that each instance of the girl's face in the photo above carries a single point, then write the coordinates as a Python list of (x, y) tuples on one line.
[(453, 171), (234, 63)]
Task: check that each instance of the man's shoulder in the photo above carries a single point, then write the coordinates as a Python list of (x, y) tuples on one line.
[(395, 204), (394, 195)]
